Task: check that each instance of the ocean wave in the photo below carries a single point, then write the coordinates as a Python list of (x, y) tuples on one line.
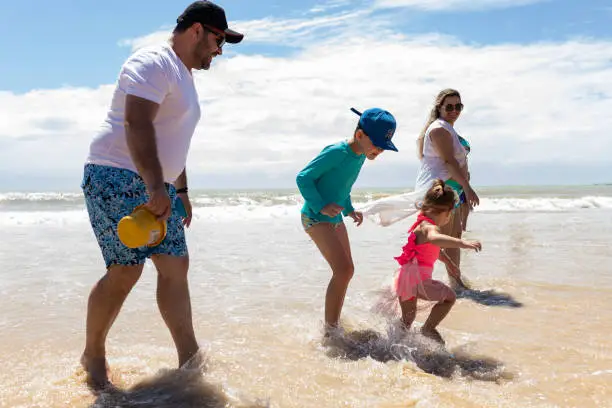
[(252, 210), (238, 200), (544, 204), (24, 197), (12, 200)]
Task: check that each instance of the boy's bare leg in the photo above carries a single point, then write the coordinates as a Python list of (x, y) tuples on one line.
[(333, 243)]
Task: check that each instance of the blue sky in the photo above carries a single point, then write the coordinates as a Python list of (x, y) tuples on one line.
[(76, 43), (536, 76)]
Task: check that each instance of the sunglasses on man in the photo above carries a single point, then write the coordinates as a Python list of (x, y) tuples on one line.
[(220, 34), (449, 107)]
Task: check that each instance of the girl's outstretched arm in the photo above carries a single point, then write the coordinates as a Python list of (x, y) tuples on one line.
[(433, 235)]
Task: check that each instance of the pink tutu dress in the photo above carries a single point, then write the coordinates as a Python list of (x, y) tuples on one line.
[(416, 265)]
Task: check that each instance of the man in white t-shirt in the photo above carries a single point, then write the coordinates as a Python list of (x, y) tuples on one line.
[(139, 157)]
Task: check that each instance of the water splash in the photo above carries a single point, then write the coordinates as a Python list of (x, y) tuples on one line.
[(185, 387), (399, 344)]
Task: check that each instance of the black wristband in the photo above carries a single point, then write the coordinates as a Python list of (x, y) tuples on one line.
[(181, 190)]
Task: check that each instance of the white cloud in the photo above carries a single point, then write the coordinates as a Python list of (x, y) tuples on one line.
[(289, 32), (543, 104), (438, 5), (329, 5), (145, 40), (296, 31)]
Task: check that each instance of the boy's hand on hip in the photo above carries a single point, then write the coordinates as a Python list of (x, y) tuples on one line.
[(331, 210)]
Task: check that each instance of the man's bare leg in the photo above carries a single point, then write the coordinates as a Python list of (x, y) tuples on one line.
[(105, 301), (333, 243), (174, 303)]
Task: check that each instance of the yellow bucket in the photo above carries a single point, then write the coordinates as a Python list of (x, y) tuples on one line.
[(141, 228)]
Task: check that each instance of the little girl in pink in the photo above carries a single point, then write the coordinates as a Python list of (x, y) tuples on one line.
[(414, 277)]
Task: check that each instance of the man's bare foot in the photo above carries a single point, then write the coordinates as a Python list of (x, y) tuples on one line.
[(97, 372), (433, 334)]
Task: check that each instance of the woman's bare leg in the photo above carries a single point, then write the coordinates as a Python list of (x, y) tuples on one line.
[(454, 229)]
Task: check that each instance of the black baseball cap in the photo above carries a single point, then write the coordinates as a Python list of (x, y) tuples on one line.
[(208, 13)]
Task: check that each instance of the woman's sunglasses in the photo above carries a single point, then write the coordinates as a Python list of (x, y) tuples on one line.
[(450, 107)]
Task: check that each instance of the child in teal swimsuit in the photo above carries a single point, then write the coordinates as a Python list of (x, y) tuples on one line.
[(326, 183)]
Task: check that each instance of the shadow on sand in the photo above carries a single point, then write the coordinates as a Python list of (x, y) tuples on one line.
[(386, 299), (184, 387), (488, 297), (399, 345)]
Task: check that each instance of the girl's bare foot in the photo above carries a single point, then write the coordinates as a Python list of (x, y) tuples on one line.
[(433, 334), (97, 372)]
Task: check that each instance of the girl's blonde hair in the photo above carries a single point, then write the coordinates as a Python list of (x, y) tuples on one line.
[(433, 115)]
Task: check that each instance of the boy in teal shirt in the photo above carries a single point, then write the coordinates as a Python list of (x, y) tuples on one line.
[(326, 183)]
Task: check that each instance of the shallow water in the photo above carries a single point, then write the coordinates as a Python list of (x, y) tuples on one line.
[(257, 287)]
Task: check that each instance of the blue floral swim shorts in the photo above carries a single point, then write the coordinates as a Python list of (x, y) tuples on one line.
[(112, 193)]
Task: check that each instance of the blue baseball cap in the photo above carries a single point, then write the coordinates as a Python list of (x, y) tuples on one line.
[(379, 125)]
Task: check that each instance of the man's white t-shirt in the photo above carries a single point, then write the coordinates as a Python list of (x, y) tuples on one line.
[(155, 73)]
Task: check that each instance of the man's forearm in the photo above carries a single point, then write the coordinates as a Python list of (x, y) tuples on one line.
[(143, 149), (181, 180)]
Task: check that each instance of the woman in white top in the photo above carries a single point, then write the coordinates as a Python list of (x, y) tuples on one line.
[(443, 156)]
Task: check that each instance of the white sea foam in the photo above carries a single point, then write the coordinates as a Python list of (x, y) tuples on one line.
[(545, 204), (233, 209), (39, 196), (34, 218)]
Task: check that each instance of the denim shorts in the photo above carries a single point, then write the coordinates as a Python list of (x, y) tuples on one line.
[(112, 193)]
